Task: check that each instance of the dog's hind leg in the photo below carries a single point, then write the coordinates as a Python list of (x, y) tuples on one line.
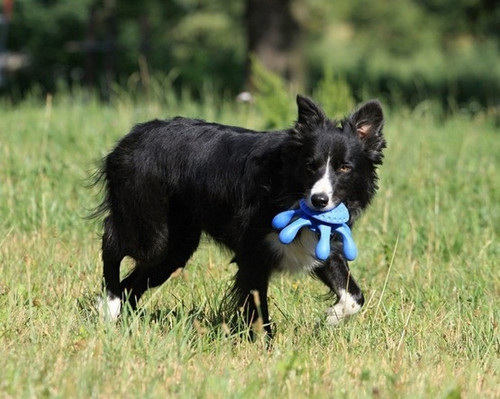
[(154, 272), (337, 276), (250, 288), (111, 257)]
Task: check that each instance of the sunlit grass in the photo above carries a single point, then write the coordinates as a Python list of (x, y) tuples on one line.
[(428, 264)]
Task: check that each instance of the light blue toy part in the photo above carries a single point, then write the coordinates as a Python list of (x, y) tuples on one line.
[(324, 223), (283, 218), (349, 246), (337, 215), (323, 245), (288, 234)]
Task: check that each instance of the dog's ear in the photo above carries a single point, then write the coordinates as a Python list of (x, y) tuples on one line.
[(369, 121), (310, 114)]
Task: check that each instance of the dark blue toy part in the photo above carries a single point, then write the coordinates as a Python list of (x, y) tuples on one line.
[(324, 223)]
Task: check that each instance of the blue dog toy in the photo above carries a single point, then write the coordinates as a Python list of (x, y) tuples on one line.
[(324, 223)]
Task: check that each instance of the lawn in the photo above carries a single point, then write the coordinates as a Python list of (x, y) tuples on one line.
[(428, 263)]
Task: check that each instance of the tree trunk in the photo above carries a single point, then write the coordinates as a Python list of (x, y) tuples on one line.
[(273, 36)]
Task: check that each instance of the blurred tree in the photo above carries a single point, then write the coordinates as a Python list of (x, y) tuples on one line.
[(41, 29), (96, 42), (409, 49), (273, 36), (480, 18), (395, 24)]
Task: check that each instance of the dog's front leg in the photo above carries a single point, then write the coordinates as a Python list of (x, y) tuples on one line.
[(336, 275)]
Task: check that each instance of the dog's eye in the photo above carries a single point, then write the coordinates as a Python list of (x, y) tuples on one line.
[(313, 165), (344, 169)]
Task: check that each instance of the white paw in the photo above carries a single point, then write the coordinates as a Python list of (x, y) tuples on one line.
[(109, 307), (345, 307), (334, 316)]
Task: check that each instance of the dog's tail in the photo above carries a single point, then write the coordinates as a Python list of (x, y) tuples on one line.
[(99, 179)]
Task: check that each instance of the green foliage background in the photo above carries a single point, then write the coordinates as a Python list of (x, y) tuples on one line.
[(408, 50)]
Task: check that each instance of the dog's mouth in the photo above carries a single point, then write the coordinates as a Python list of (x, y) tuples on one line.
[(321, 202)]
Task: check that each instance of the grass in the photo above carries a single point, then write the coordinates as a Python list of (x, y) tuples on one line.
[(428, 264)]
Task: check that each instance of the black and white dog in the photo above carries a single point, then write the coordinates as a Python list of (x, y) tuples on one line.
[(167, 182)]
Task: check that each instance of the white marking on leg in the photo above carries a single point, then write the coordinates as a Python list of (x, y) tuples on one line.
[(345, 307), (323, 186), (109, 308)]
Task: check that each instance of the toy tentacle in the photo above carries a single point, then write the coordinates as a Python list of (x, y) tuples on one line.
[(288, 234), (349, 246), (323, 246), (283, 218)]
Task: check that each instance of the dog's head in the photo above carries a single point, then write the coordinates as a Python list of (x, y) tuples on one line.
[(337, 160)]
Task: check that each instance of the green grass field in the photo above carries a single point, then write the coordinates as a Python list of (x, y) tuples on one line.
[(428, 264)]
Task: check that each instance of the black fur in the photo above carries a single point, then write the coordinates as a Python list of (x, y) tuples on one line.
[(168, 181)]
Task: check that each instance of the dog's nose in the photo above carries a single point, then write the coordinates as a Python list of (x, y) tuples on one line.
[(319, 200)]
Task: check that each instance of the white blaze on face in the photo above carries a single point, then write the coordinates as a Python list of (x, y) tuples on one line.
[(323, 186)]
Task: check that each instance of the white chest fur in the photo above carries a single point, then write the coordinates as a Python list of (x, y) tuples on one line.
[(299, 254)]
